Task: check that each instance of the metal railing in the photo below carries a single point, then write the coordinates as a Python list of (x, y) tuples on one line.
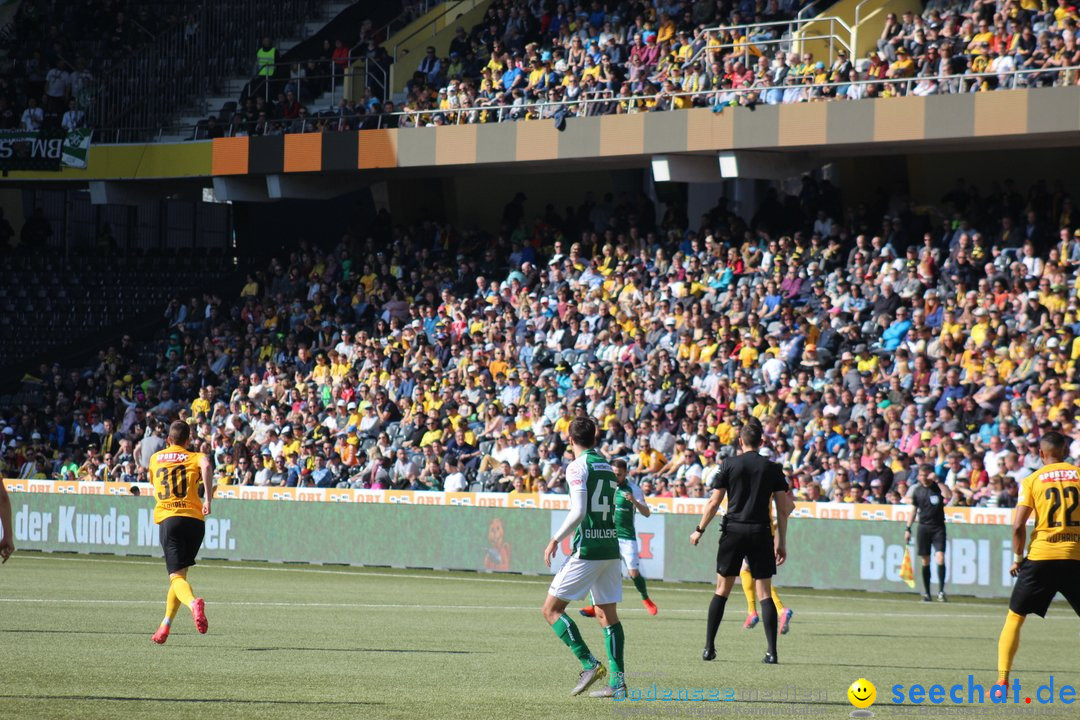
[(757, 35), (431, 27), (386, 31), (181, 67), (608, 103), (307, 88), (859, 19)]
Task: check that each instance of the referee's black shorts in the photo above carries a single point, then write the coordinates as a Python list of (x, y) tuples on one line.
[(181, 538), (751, 542), (1039, 580), (929, 537)]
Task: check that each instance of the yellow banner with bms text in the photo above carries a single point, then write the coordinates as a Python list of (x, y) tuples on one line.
[(677, 506)]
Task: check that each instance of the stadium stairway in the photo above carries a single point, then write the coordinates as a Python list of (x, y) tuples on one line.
[(402, 41), (437, 31), (232, 88), (864, 18)]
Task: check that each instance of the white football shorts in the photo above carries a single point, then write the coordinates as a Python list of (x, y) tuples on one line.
[(577, 577)]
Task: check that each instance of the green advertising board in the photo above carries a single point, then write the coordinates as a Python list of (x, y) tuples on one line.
[(825, 554)]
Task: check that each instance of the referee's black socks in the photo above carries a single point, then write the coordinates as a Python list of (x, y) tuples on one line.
[(767, 611), (716, 614), (926, 578), (940, 578)]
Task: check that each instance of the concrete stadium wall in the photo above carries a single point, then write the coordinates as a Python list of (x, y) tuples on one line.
[(824, 554)]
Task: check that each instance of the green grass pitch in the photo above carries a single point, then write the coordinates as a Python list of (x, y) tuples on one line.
[(327, 642)]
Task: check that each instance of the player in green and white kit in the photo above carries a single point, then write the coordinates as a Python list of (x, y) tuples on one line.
[(628, 500), (594, 564)]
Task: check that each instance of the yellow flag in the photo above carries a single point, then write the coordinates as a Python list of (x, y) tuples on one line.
[(906, 573)]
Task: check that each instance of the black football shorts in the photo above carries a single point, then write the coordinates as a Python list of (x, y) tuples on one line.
[(753, 543), (929, 537), (181, 538), (1039, 580)]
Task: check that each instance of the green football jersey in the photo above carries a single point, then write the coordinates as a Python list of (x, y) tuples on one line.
[(595, 538), (625, 510)]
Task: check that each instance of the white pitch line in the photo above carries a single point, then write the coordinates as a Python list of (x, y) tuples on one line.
[(509, 581), (422, 606)]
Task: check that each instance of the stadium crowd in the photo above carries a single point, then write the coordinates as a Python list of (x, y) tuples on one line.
[(553, 60), (874, 343), (55, 48)]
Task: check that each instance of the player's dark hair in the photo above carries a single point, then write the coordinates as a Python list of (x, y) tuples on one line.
[(1054, 443), (618, 463), (583, 432), (179, 432), (750, 433)]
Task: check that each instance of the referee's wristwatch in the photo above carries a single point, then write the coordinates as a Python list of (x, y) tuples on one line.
[(699, 530)]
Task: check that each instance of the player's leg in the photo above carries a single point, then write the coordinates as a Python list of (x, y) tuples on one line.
[(939, 556), (590, 609), (730, 553), (1036, 584), (748, 592), (1008, 643), (181, 538), (172, 604), (724, 584), (180, 587), (572, 581), (607, 592), (189, 535), (923, 541), (628, 549), (554, 611), (762, 562), (784, 613)]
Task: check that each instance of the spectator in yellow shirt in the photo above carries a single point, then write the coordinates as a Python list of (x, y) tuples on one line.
[(903, 67), (201, 404), (432, 434), (650, 460), (666, 30)]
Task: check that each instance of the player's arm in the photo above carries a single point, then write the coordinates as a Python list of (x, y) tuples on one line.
[(1019, 535), (575, 484), (946, 492), (911, 520), (711, 507), (7, 543), (637, 499), (784, 508), (208, 483)]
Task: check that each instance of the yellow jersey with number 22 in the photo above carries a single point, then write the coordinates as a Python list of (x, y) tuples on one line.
[(1053, 492)]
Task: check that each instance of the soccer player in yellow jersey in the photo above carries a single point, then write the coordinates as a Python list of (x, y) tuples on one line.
[(1052, 565), (784, 613), (176, 473)]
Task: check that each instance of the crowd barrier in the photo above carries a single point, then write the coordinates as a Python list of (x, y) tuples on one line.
[(860, 554), (676, 506)]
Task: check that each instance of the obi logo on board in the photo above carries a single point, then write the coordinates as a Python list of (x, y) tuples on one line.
[(650, 538)]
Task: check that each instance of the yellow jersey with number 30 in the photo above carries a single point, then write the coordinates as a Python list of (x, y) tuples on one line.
[(1053, 492), (177, 477)]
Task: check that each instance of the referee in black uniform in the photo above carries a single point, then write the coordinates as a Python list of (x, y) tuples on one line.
[(929, 497), (750, 482)]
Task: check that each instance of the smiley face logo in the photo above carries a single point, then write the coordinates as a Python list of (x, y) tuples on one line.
[(862, 693)]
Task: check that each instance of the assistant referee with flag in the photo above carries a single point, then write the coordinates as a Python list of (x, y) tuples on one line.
[(751, 483)]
